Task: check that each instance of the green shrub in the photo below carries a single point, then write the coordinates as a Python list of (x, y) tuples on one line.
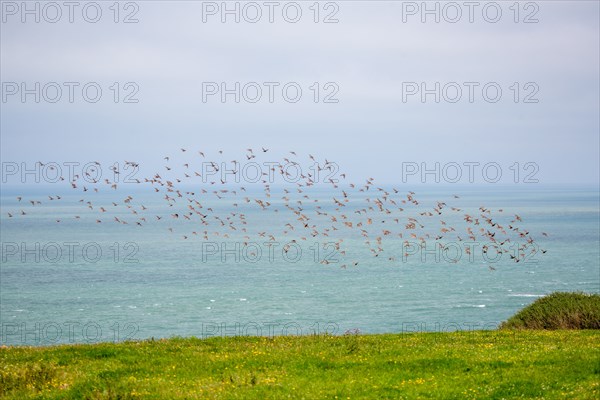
[(559, 310)]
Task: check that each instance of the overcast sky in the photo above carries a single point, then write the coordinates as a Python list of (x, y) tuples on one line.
[(376, 54)]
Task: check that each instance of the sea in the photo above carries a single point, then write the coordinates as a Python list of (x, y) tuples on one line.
[(72, 272)]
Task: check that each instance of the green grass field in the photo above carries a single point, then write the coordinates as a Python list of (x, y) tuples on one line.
[(461, 365)]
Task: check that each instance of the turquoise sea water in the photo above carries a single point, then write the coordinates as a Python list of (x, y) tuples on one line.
[(149, 282)]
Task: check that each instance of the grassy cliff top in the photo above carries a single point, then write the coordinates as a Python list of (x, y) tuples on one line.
[(457, 365), (552, 353)]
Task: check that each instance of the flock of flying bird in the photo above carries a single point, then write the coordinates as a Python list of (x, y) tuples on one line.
[(211, 207)]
